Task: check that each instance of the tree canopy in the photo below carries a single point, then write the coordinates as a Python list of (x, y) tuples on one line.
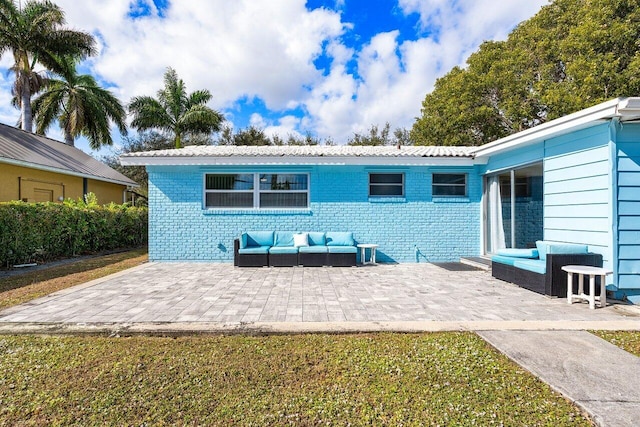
[(80, 106), (175, 111), (35, 34), (377, 136), (571, 55)]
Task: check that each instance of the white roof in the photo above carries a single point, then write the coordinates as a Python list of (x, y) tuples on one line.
[(303, 154), (622, 109)]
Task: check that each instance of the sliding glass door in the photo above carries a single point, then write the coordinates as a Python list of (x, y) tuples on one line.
[(513, 208)]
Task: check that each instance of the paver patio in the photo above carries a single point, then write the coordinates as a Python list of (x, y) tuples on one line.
[(205, 292)]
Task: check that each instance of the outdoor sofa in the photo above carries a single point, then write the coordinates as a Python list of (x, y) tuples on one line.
[(540, 269), (287, 249)]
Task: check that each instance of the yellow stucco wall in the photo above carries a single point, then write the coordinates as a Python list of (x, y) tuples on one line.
[(33, 185), (106, 191)]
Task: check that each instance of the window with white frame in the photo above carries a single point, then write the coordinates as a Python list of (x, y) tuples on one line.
[(386, 185), (257, 191), (449, 184)]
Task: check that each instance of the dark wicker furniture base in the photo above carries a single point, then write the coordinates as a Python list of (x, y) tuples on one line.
[(248, 260), (283, 260), (290, 260), (307, 259), (341, 260), (554, 282)]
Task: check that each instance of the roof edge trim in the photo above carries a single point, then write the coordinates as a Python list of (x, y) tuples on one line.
[(294, 160), (593, 115), (66, 172)]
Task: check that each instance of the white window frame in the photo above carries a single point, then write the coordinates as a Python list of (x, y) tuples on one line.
[(401, 185), (256, 191), (434, 185)]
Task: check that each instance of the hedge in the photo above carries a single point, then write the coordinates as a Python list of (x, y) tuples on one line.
[(36, 232)]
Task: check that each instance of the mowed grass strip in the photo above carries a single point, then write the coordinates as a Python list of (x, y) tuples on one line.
[(626, 340), (370, 379), (21, 288)]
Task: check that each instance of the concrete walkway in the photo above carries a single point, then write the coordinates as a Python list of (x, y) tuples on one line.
[(602, 379), (544, 335)]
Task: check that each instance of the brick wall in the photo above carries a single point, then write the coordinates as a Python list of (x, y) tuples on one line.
[(441, 229)]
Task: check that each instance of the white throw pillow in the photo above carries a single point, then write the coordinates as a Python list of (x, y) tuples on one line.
[(301, 239)]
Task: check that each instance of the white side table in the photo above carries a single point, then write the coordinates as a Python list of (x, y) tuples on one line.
[(363, 252), (592, 272)]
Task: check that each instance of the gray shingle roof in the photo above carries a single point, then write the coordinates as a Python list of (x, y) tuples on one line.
[(307, 151), (30, 150)]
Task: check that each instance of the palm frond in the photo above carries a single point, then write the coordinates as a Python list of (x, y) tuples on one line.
[(175, 111)]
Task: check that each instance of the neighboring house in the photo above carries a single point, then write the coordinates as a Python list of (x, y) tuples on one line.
[(34, 168), (575, 179)]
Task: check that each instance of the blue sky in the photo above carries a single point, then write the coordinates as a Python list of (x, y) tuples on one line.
[(328, 68)]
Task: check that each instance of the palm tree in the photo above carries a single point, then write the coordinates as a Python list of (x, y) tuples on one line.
[(175, 112), (35, 35), (80, 106)]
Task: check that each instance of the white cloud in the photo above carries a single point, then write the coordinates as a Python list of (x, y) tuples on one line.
[(395, 76), (257, 120), (235, 49), (244, 50), (286, 126)]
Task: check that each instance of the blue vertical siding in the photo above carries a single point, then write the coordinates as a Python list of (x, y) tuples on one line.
[(441, 229), (628, 206), (577, 189)]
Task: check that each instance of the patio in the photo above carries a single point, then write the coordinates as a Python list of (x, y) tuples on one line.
[(219, 293)]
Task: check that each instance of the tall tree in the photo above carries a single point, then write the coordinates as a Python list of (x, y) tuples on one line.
[(81, 107), (35, 34), (571, 55), (175, 112)]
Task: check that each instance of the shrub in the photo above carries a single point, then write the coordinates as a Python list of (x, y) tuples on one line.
[(31, 232)]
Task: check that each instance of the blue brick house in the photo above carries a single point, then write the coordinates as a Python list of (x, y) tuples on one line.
[(573, 180)]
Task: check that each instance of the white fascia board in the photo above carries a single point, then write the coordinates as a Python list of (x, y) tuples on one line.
[(66, 172), (595, 115), (297, 161), (629, 105)]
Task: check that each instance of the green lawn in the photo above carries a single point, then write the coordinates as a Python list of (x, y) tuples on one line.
[(626, 340), (373, 379), (30, 285)]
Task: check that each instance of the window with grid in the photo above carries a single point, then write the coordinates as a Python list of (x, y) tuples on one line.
[(257, 191), (279, 190)]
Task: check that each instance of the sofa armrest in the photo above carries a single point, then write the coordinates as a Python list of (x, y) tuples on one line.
[(556, 279)]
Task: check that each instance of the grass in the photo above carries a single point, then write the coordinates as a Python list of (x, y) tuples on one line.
[(369, 379), (626, 340), (25, 287)]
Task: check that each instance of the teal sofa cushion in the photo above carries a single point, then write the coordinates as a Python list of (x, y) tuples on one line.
[(254, 250), (283, 250), (317, 239), (342, 249), (545, 248), (567, 248), (340, 238), (508, 260), (317, 249), (535, 265), (258, 238), (519, 253), (284, 238), (542, 246)]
